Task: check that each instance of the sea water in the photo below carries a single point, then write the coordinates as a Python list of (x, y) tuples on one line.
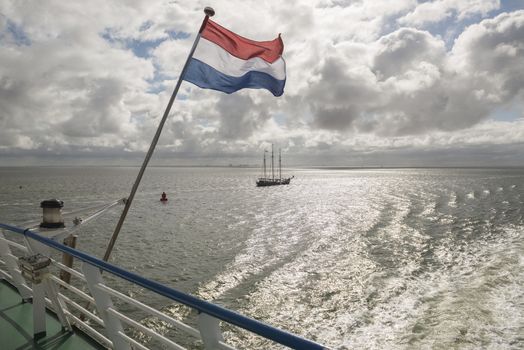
[(352, 258)]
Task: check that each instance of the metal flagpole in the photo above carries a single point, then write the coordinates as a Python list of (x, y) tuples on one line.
[(209, 13)]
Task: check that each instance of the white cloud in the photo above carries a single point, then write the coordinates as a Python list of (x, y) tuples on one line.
[(413, 85), (70, 82), (439, 10)]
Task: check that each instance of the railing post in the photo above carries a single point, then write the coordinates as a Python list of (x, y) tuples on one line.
[(210, 331), (12, 266), (67, 259), (39, 324), (103, 302), (35, 268), (44, 287)]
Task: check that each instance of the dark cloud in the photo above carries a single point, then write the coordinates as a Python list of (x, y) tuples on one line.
[(97, 111), (239, 117), (338, 93)]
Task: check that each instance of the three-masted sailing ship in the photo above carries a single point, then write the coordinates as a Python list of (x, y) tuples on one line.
[(266, 180)]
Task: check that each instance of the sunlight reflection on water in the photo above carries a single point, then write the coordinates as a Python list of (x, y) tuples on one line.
[(351, 258)]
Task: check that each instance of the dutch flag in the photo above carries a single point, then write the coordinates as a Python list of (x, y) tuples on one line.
[(227, 62)]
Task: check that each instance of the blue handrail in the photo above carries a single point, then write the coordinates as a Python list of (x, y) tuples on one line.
[(257, 327)]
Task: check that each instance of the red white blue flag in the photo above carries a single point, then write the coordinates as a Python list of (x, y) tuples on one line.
[(227, 62)]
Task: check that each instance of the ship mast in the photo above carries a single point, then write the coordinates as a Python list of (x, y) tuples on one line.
[(265, 164), (272, 163), (280, 164)]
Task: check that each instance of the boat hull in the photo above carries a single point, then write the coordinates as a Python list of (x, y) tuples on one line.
[(272, 182)]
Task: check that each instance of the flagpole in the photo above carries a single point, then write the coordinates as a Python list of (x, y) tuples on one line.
[(209, 13)]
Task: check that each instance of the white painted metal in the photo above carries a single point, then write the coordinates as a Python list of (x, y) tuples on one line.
[(90, 330), (6, 276), (103, 304), (68, 269), (72, 288), (176, 323), (150, 332), (62, 300), (132, 341), (210, 331), (59, 306), (39, 312), (14, 244), (41, 301), (39, 328), (224, 346), (11, 263), (82, 310)]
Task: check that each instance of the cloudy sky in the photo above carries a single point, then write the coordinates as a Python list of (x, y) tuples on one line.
[(378, 82)]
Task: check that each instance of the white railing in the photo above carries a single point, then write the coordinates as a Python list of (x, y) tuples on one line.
[(106, 324)]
